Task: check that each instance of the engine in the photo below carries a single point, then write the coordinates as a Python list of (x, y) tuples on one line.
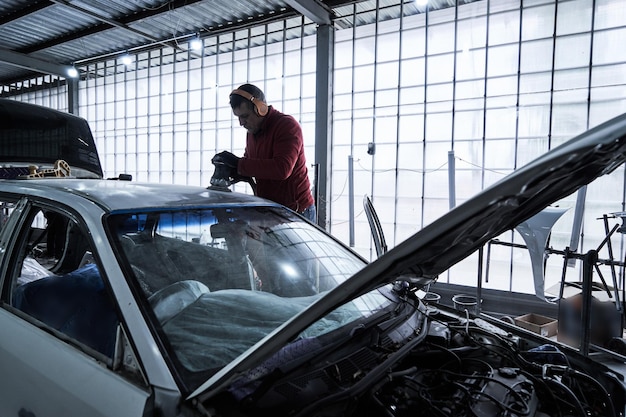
[(450, 367), (478, 372)]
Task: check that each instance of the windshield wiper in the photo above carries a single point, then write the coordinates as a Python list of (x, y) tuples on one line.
[(293, 356), (375, 374)]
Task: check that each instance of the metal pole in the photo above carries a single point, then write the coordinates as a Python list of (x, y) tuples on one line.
[(479, 284), (451, 180), (577, 223), (351, 198), (72, 96), (589, 262), (323, 119), (316, 191)]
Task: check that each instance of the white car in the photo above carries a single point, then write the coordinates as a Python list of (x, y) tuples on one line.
[(131, 299)]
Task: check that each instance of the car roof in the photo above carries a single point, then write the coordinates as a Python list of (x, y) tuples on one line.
[(39, 136), (113, 195)]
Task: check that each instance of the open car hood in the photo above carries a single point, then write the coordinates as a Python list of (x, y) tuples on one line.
[(39, 136), (460, 232)]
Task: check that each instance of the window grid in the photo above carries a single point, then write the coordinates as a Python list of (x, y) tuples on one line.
[(501, 113)]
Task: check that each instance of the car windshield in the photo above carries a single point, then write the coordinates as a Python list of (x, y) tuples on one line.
[(219, 279)]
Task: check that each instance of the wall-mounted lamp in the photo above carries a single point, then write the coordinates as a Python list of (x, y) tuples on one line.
[(421, 2)]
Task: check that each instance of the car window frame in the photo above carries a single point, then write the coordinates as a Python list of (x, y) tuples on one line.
[(14, 237), (8, 237)]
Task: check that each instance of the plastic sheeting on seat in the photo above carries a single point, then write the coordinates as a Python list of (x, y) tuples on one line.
[(75, 304)]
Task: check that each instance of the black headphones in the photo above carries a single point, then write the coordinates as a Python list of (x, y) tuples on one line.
[(260, 107)]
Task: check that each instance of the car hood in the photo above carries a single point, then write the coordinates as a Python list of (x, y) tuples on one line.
[(39, 136), (460, 232)]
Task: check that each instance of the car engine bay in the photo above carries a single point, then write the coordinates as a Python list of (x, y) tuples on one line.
[(451, 365)]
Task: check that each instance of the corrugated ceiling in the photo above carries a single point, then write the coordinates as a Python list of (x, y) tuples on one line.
[(47, 34)]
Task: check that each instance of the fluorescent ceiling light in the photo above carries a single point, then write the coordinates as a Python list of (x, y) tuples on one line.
[(127, 59), (195, 44)]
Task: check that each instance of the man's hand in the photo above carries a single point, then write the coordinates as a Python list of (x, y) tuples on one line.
[(227, 159)]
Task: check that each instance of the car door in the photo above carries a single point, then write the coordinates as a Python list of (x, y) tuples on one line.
[(58, 324)]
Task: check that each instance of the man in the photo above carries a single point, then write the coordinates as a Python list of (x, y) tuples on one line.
[(274, 153)]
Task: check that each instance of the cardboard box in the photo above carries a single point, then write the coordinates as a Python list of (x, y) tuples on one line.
[(536, 323), (606, 320)]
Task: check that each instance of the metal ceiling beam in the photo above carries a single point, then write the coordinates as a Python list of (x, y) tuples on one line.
[(106, 20), (122, 22), (312, 10), (119, 24), (207, 31), (30, 63)]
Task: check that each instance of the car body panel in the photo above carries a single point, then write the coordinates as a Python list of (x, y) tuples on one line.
[(125, 195), (91, 215), (87, 202), (45, 377)]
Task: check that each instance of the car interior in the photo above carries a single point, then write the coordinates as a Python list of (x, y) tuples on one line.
[(60, 285)]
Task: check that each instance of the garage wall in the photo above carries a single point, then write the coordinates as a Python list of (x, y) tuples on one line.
[(164, 115), (492, 83), (495, 82)]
